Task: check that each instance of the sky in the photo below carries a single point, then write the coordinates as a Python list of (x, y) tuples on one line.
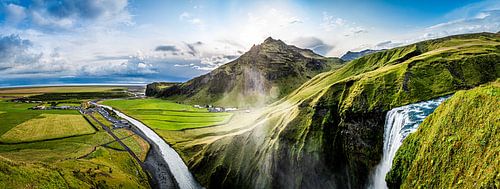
[(46, 42)]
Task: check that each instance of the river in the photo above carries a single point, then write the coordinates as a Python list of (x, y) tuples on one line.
[(399, 123), (176, 166)]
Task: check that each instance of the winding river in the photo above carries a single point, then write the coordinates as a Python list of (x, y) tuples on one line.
[(399, 123), (176, 166)]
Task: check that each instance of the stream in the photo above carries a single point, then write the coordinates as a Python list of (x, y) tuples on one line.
[(168, 168), (399, 123)]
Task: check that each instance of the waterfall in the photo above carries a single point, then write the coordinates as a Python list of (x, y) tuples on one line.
[(179, 170), (399, 123)]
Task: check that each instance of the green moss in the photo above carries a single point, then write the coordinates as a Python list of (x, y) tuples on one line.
[(331, 127), (455, 147)]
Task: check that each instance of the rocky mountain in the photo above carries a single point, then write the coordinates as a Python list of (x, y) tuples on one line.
[(351, 55), (154, 88), (265, 73), (328, 133)]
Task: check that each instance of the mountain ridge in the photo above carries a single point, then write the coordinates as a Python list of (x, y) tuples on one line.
[(266, 72), (329, 131), (351, 55)]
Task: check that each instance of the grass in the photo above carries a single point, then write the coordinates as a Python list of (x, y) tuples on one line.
[(69, 104), (455, 147), (47, 126), (166, 115), (101, 119), (335, 114), (138, 145), (70, 162), (74, 162), (17, 113)]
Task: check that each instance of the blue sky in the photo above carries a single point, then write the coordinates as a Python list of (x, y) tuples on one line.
[(139, 41)]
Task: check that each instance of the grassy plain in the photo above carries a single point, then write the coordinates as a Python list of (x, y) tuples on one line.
[(165, 115), (48, 126), (81, 161), (17, 113)]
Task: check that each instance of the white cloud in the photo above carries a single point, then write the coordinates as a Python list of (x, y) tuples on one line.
[(15, 13), (340, 26), (484, 21), (185, 16), (313, 43)]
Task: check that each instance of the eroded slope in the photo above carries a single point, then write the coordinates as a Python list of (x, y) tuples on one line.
[(328, 132)]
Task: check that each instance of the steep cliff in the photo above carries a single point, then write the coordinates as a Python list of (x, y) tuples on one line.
[(458, 146), (155, 88), (328, 132)]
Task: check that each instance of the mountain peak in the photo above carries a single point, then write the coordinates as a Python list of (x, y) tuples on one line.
[(270, 40)]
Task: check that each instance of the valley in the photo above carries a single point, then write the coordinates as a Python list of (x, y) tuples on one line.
[(329, 132), (237, 94)]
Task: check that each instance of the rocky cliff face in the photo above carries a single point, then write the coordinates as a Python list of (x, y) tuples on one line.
[(155, 88), (328, 132), (263, 74)]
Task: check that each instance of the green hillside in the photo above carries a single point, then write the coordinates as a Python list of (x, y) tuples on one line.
[(466, 153), (328, 132), (265, 73)]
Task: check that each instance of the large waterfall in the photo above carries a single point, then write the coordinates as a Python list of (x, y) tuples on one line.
[(399, 123)]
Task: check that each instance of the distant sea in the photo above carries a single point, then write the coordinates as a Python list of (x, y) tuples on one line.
[(68, 81)]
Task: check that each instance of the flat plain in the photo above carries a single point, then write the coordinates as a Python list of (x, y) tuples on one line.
[(76, 156), (48, 126), (166, 115)]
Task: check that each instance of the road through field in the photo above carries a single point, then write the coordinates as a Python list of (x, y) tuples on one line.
[(179, 170)]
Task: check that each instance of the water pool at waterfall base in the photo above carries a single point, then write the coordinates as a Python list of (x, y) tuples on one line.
[(399, 123)]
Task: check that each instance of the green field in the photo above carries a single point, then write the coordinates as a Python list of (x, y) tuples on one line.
[(81, 161), (17, 113), (69, 104), (48, 126), (165, 115), (134, 142)]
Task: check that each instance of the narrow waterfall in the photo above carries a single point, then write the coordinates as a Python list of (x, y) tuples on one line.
[(184, 178), (399, 123)]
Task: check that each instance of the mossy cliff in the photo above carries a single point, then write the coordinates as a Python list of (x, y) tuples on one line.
[(328, 132), (155, 88), (458, 146)]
